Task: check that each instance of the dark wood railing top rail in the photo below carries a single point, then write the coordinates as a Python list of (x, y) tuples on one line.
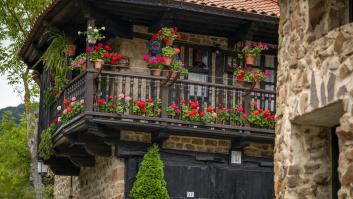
[(191, 82)]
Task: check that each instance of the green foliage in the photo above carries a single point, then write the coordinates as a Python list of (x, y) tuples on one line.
[(168, 51), (49, 96), (178, 66), (46, 144), (17, 112), (55, 57), (150, 183), (14, 159)]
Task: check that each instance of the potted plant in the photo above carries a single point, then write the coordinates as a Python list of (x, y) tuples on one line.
[(155, 64), (259, 77), (97, 55), (250, 75), (251, 50), (168, 53), (93, 34), (79, 62), (168, 35), (177, 67)]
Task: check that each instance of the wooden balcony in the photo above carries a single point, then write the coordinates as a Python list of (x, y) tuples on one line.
[(91, 132)]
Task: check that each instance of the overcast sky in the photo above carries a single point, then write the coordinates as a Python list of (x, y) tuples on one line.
[(7, 95)]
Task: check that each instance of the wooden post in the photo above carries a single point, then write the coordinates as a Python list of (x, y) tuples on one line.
[(164, 99), (246, 104), (89, 93)]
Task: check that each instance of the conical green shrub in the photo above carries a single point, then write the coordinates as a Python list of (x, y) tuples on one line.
[(150, 183)]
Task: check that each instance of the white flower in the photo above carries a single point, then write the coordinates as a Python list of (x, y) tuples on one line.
[(59, 119), (95, 30), (79, 32), (59, 108), (103, 28), (89, 27)]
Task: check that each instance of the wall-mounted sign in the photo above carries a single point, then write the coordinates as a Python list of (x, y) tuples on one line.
[(190, 194), (155, 46), (235, 157)]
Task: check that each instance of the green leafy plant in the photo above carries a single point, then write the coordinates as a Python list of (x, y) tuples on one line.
[(106, 105), (49, 96), (167, 34), (250, 74), (46, 144), (150, 183), (123, 104), (179, 66), (55, 57), (79, 62), (93, 34), (168, 51), (154, 62), (237, 115), (261, 118)]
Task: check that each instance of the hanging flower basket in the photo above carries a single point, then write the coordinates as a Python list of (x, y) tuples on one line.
[(157, 72), (250, 59)]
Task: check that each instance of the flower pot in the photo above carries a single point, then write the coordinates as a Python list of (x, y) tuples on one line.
[(84, 67), (71, 50), (98, 64), (169, 42), (174, 74), (257, 85), (249, 59), (157, 72), (240, 83), (167, 60)]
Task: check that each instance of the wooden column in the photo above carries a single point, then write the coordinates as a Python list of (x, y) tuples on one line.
[(90, 88)]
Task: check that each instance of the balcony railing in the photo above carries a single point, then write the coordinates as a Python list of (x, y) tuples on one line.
[(112, 86)]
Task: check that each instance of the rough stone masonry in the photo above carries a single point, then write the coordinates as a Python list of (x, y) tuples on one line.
[(314, 95)]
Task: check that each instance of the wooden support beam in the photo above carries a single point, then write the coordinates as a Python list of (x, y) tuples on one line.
[(246, 32), (239, 143), (83, 161), (166, 20), (63, 166), (159, 137)]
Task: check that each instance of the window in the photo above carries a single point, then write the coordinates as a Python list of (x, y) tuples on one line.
[(198, 89)]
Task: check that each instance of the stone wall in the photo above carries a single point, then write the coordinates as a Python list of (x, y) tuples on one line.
[(207, 145), (105, 180), (314, 94)]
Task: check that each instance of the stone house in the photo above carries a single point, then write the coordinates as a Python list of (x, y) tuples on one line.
[(97, 152), (313, 150)]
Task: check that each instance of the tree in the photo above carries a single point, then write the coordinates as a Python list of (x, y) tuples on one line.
[(150, 183), (16, 18), (14, 159)]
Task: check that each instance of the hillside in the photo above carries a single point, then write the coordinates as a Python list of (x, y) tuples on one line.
[(17, 111)]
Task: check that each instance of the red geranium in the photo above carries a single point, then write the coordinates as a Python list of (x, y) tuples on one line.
[(202, 114), (240, 109), (209, 109), (107, 47), (101, 101), (66, 102)]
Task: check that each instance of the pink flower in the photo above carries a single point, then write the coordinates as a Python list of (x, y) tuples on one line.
[(177, 111), (256, 112), (72, 104), (214, 115), (240, 109), (146, 57), (244, 116), (128, 98), (267, 74), (255, 104), (82, 101), (73, 99), (161, 59), (150, 100), (153, 62), (65, 112), (174, 106), (121, 96)]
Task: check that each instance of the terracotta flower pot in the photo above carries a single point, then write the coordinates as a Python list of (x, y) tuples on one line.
[(169, 42), (167, 60), (157, 72), (240, 83), (257, 84), (249, 59), (71, 50), (98, 63)]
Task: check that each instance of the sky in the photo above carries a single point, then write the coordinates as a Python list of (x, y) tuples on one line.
[(8, 97)]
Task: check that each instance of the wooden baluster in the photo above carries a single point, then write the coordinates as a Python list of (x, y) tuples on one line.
[(202, 98), (132, 88), (116, 98), (139, 85), (195, 92), (164, 98)]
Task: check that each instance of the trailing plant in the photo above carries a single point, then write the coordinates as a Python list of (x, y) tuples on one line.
[(79, 62), (179, 66), (49, 96), (55, 57), (150, 183), (46, 145), (253, 48), (168, 51), (72, 108), (59, 83), (154, 62)]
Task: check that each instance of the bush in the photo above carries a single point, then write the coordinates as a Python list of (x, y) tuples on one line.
[(150, 183)]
